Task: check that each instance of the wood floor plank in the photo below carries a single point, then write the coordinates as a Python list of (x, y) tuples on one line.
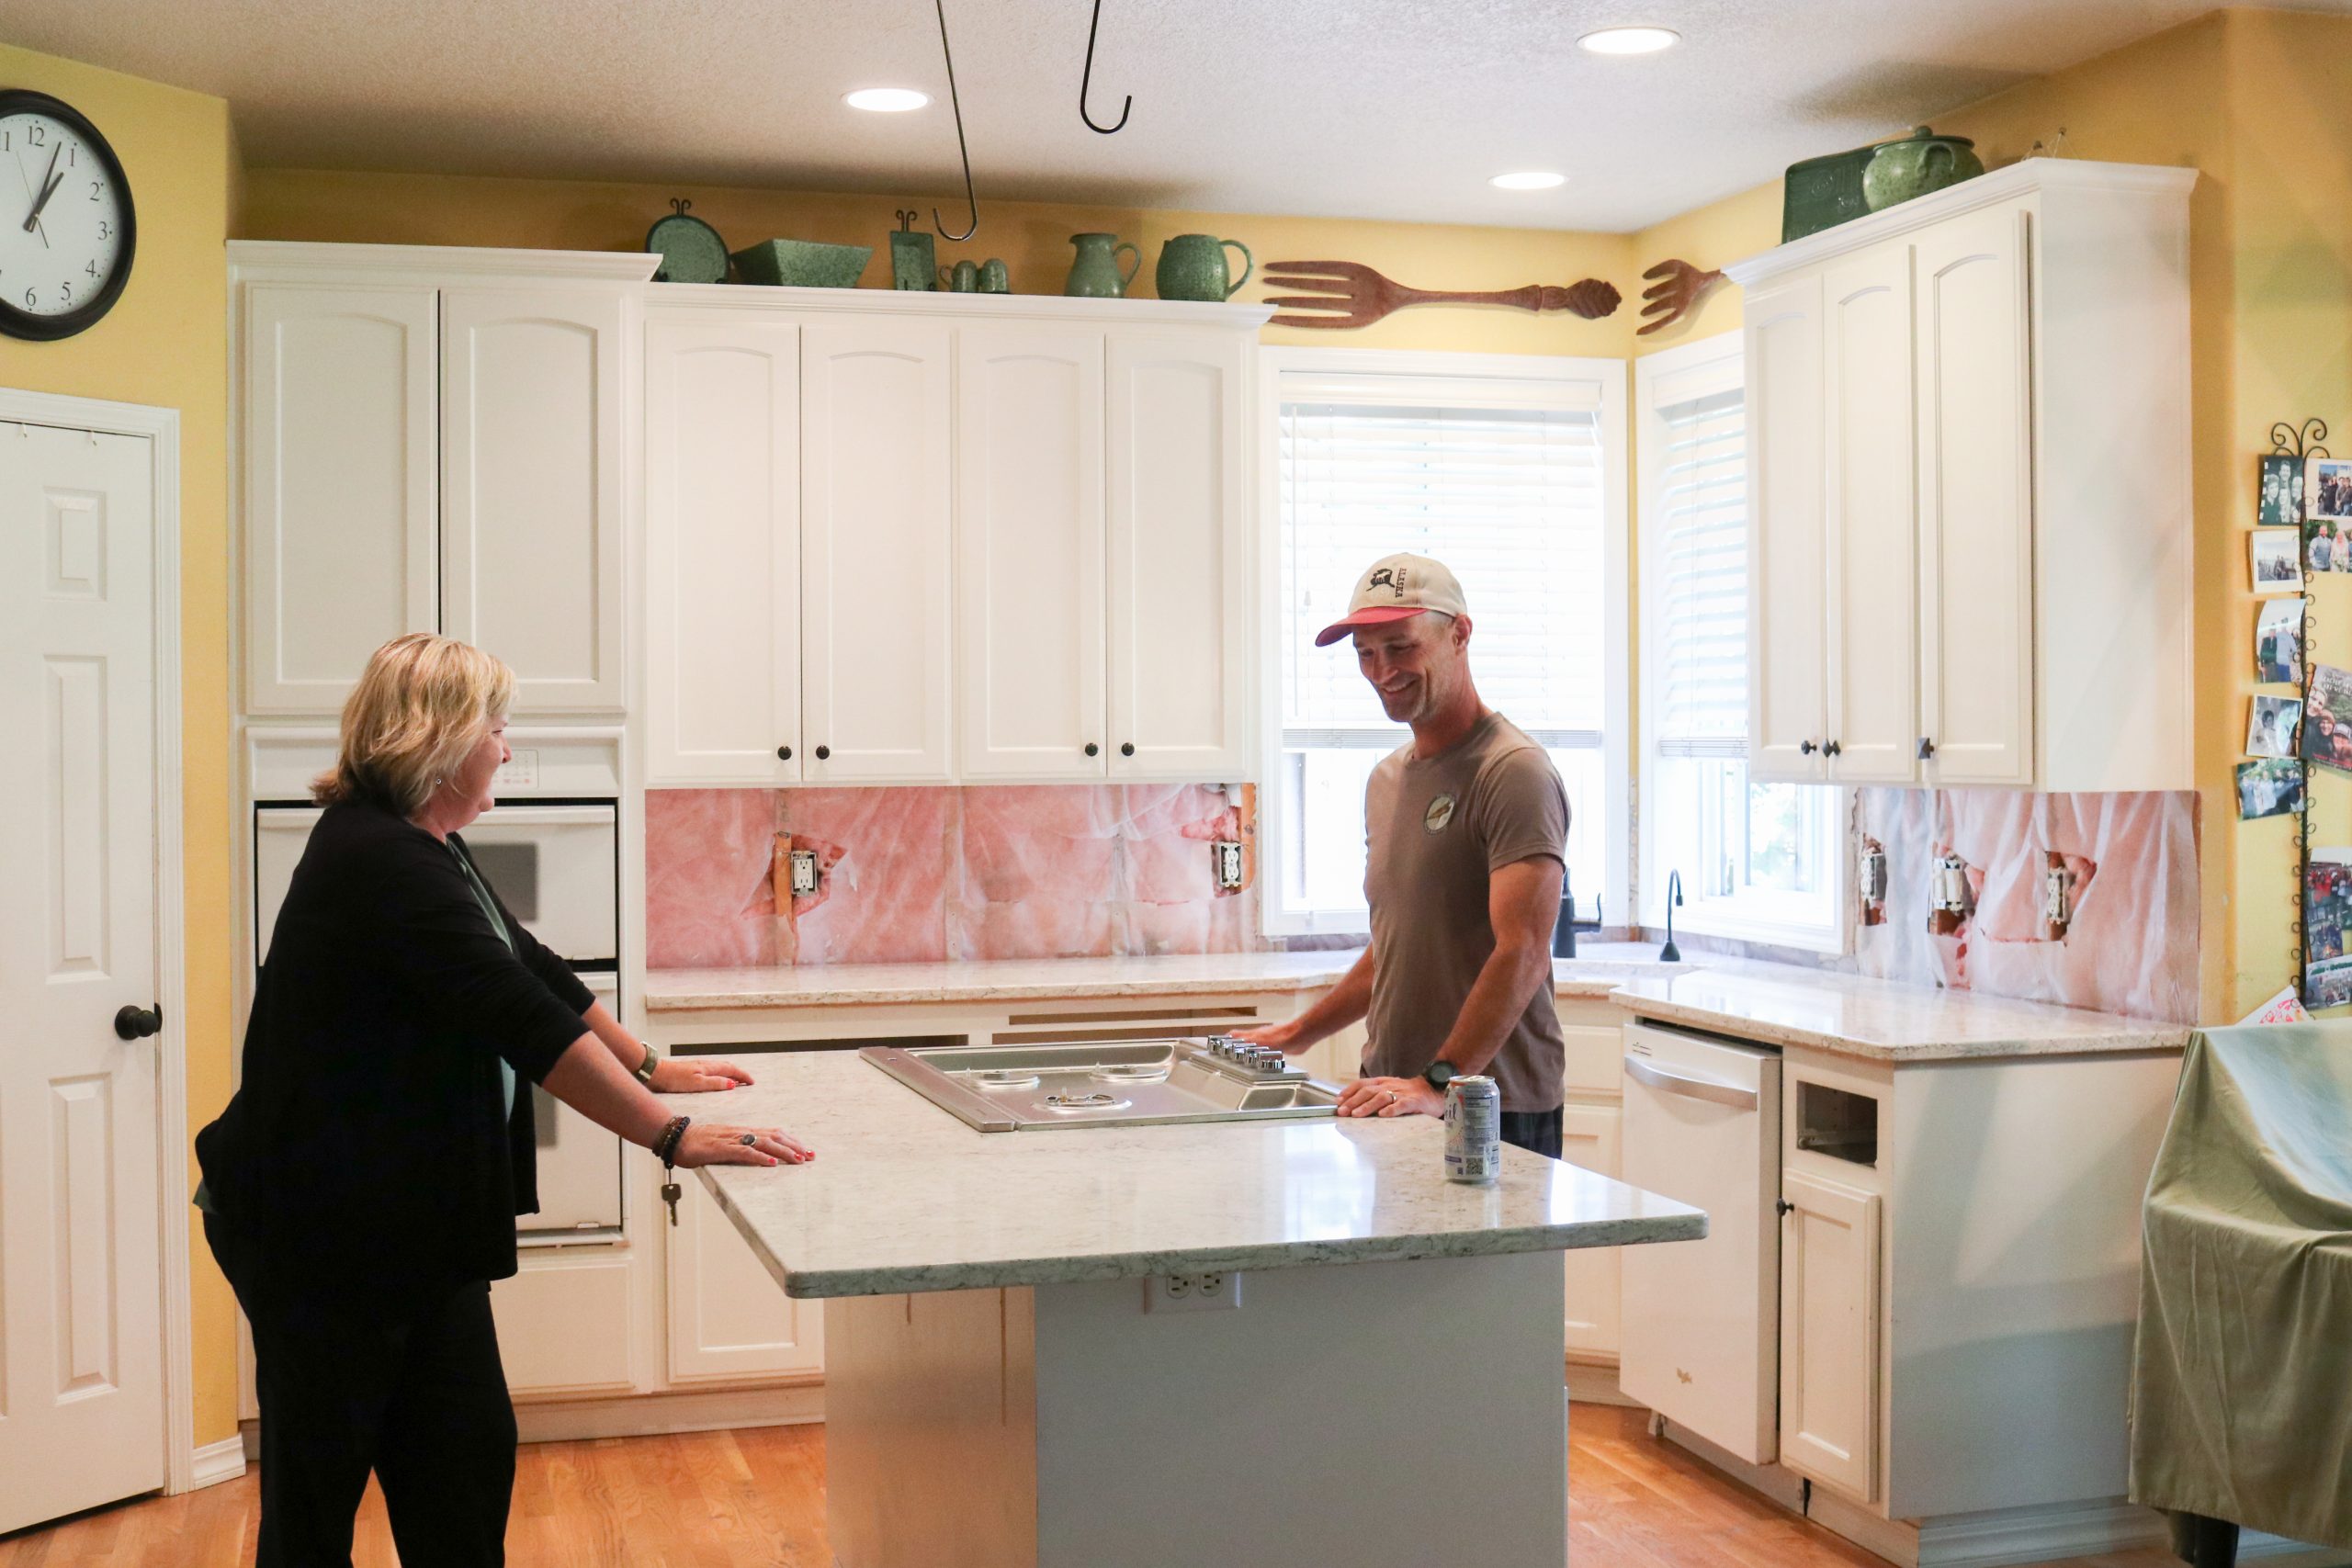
[(755, 1499)]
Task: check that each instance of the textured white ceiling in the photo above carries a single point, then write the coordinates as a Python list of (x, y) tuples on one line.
[(1363, 109)]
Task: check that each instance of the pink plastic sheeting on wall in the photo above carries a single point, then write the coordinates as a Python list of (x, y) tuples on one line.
[(923, 875), (2130, 944)]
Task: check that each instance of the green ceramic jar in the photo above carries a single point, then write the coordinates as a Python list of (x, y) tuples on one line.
[(1096, 273), (1920, 163), (1192, 266)]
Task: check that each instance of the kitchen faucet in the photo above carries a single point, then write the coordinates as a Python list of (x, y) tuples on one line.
[(1670, 954)]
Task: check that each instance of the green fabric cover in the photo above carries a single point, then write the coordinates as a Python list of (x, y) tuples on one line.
[(2242, 1374)]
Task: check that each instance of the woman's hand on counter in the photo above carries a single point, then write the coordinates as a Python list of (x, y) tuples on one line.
[(1391, 1097), (697, 1075), (740, 1145)]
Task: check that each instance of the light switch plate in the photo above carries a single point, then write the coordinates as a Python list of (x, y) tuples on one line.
[(1228, 863), (804, 872)]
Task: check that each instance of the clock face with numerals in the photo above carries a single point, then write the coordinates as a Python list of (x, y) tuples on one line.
[(66, 226)]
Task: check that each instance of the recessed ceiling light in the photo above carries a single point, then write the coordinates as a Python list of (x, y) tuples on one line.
[(1630, 41), (1531, 179), (885, 100)]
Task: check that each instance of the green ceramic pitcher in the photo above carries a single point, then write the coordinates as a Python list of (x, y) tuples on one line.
[(1192, 266), (1096, 273), (1920, 163)]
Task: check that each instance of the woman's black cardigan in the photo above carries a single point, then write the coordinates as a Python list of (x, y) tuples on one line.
[(366, 1147)]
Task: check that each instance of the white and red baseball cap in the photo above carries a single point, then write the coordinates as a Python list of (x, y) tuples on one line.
[(1392, 587)]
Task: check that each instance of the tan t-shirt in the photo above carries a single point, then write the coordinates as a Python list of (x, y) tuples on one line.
[(1434, 831)]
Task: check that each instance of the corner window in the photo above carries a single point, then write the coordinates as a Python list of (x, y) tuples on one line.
[(1509, 471), (1758, 860)]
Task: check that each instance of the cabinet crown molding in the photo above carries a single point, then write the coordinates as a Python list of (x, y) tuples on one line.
[(252, 261), (1985, 190), (900, 303)]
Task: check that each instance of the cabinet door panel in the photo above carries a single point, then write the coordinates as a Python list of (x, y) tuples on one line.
[(722, 548), (1975, 504), (1788, 570), (1179, 615), (341, 511), (728, 1319), (1829, 1328), (532, 488), (563, 1323), (1029, 585), (873, 551), (1874, 634), (1589, 1137)]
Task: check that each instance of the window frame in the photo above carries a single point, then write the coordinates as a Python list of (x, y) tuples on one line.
[(1679, 375), (1599, 385)]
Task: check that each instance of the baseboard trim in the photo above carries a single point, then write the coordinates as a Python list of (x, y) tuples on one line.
[(216, 1462), (2038, 1534), (660, 1415), (2258, 1546), (1777, 1482), (1590, 1383)]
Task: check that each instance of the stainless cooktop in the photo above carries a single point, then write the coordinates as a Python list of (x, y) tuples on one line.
[(1129, 1083)]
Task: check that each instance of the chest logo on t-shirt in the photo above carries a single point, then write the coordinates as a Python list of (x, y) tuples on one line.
[(1440, 812)]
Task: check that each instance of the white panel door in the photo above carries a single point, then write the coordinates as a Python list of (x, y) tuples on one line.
[(1787, 609), (1029, 585), (1590, 1135), (875, 400), (1976, 502), (728, 1319), (340, 517), (1871, 529), (1829, 1318), (722, 550), (81, 1264), (1179, 549), (531, 456)]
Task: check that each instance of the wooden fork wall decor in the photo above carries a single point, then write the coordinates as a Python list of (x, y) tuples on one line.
[(1353, 295), (1676, 293)]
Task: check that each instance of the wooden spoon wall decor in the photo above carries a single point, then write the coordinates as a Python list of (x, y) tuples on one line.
[(1355, 296)]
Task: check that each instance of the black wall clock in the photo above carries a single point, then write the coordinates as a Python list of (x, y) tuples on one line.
[(67, 227)]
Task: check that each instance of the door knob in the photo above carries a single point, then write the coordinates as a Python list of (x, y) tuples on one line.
[(1807, 748), (138, 1023), (784, 754), (1091, 748), (1829, 748), (823, 753), (1127, 749)]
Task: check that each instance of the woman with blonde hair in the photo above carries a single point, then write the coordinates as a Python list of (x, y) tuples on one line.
[(360, 1190)]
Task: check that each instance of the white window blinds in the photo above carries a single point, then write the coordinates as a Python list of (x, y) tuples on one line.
[(1700, 554), (1510, 499)]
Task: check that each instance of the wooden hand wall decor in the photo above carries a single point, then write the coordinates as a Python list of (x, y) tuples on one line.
[(1682, 288), (1353, 295)]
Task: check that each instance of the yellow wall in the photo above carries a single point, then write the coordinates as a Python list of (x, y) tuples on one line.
[(166, 344), (1032, 237)]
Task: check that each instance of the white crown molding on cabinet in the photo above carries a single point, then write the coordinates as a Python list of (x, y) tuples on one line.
[(1985, 190), (261, 260), (903, 302)]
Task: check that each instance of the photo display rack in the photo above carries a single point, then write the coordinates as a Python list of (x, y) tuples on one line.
[(2302, 441)]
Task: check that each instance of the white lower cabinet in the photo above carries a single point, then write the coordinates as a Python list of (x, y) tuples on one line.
[(1829, 1333), (728, 1320), (564, 1321), (1592, 1119)]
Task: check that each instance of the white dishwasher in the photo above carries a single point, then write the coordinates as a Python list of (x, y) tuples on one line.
[(1701, 1338)]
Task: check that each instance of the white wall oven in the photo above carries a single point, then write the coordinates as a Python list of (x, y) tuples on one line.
[(556, 865)]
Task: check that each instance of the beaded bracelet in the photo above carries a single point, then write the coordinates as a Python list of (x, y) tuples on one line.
[(665, 1147)]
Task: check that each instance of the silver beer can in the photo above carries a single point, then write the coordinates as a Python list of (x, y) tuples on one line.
[(1474, 1130)]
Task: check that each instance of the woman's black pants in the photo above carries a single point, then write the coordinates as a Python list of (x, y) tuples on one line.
[(411, 1390)]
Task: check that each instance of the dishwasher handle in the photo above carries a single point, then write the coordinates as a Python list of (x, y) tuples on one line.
[(1641, 1069)]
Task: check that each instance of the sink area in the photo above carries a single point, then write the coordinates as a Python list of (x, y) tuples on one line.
[(1128, 1083)]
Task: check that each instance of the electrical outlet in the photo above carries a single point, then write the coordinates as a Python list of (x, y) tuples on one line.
[(1217, 1291), (804, 872), (1228, 863)]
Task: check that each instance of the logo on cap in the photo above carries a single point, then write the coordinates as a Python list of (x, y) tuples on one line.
[(1384, 577)]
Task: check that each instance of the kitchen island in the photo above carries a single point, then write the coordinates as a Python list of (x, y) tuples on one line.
[(1024, 1368)]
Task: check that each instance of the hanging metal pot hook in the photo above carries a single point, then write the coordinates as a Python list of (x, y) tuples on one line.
[(971, 200), (1085, 81)]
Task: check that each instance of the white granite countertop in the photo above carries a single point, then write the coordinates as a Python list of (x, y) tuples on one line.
[(904, 1197), (1878, 1019), (869, 985)]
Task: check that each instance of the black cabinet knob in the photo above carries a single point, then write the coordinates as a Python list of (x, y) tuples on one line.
[(823, 753), (1782, 1205), (1091, 748), (1926, 748), (1807, 747), (138, 1023), (784, 754), (1126, 749), (1829, 748)]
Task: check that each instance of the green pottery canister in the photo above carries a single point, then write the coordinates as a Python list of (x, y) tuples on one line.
[(1920, 163), (1192, 266), (995, 276), (1096, 273), (965, 278)]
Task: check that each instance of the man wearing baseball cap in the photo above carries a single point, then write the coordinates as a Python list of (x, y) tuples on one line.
[(1465, 830)]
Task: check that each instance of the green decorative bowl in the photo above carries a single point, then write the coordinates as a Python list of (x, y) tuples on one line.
[(803, 264)]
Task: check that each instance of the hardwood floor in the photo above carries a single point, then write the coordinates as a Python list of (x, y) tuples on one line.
[(756, 1499)]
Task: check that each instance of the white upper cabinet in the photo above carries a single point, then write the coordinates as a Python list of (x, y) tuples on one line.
[(875, 465), (532, 488), (1029, 583), (722, 567), (1986, 578), (1178, 579), (340, 513)]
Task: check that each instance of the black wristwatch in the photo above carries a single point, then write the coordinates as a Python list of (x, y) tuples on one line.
[(1438, 1074)]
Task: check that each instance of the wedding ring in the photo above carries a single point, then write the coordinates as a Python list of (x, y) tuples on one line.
[(748, 1139)]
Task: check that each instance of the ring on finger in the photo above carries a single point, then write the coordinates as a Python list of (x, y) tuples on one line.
[(749, 1139)]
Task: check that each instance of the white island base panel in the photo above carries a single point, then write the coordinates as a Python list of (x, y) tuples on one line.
[(1379, 1415)]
